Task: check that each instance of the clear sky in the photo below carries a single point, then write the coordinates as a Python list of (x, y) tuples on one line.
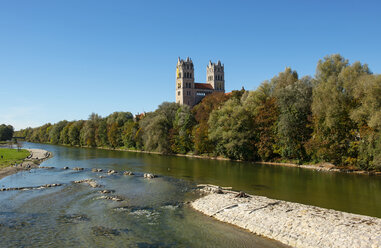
[(66, 59)]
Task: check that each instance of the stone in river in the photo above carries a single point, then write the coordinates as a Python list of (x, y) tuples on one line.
[(105, 231)]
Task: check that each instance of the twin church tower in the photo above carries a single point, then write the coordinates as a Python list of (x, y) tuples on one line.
[(190, 93)]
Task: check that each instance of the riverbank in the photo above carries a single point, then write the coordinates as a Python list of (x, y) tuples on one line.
[(327, 167), (36, 157), (294, 224)]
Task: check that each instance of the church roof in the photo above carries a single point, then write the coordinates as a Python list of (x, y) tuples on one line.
[(203, 86)]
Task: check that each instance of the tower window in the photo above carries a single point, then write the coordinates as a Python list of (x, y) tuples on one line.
[(178, 93)]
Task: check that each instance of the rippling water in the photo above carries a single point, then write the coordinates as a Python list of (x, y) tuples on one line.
[(152, 213)]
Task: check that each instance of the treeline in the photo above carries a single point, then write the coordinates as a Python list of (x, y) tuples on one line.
[(333, 117)]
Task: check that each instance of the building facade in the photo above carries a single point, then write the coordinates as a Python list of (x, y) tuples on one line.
[(190, 93)]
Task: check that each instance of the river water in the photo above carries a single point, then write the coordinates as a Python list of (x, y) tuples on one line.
[(152, 213)]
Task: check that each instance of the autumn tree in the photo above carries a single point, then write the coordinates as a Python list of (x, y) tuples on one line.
[(201, 114)]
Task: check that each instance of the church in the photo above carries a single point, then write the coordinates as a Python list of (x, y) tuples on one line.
[(190, 93)]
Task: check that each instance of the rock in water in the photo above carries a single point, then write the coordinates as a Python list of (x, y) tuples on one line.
[(65, 168), (106, 191), (73, 218), (104, 231), (128, 173), (112, 198), (149, 175), (90, 182)]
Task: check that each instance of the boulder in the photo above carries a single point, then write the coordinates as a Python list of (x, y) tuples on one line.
[(149, 175), (106, 191), (128, 173)]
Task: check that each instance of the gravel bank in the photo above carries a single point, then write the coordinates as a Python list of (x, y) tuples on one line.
[(291, 223)]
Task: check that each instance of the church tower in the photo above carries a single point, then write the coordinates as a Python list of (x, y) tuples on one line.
[(215, 76), (185, 82)]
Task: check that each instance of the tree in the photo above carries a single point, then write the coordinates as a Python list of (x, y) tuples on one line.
[(89, 129), (231, 131), (74, 133), (333, 101), (115, 123), (201, 114), (64, 134), (156, 127), (294, 123), (263, 110), (182, 140), (367, 116), (101, 138), (113, 135), (55, 132), (6, 132)]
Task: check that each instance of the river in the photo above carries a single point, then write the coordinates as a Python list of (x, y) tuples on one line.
[(153, 213)]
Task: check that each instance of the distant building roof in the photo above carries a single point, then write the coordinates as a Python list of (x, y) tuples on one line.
[(228, 93), (203, 86)]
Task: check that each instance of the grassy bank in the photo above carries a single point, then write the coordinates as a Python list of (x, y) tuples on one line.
[(12, 156)]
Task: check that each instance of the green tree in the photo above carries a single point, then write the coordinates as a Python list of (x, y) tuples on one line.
[(64, 134), (55, 132), (182, 139), (231, 131), (74, 133), (367, 116), (333, 101), (6, 132), (101, 138), (294, 123), (156, 128)]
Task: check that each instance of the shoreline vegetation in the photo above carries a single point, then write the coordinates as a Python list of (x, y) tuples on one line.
[(31, 161), (293, 224), (327, 167), (331, 119)]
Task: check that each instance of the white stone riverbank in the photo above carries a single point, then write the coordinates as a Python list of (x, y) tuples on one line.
[(291, 223)]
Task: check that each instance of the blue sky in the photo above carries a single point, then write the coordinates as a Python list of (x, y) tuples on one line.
[(66, 59)]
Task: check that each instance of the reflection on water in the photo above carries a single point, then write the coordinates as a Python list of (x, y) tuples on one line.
[(151, 214)]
